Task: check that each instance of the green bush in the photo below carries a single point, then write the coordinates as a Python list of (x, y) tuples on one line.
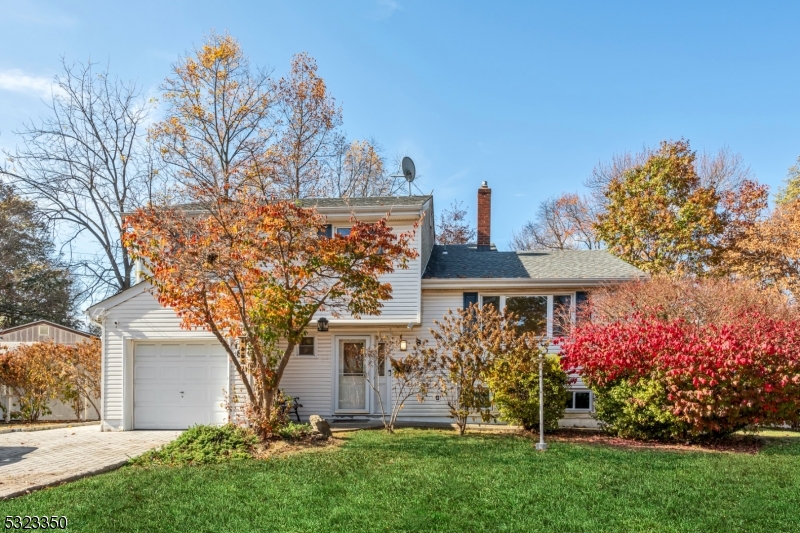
[(639, 411), (294, 431), (514, 384), (201, 444)]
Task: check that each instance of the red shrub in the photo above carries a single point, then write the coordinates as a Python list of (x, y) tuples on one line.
[(717, 378)]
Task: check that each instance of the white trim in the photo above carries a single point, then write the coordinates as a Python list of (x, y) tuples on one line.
[(117, 299), (103, 373), (366, 322), (128, 354)]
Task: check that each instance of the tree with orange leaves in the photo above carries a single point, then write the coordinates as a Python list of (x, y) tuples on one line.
[(310, 119), (769, 250), (32, 372), (230, 127), (255, 273), (219, 124), (43, 371)]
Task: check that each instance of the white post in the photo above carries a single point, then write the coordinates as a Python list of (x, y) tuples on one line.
[(541, 445)]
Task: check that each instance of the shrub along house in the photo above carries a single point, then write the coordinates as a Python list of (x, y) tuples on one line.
[(158, 376)]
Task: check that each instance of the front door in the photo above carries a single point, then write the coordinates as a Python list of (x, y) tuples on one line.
[(352, 386)]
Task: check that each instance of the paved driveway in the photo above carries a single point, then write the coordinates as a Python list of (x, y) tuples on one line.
[(31, 460)]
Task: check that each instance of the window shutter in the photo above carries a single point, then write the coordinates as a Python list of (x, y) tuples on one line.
[(470, 298)]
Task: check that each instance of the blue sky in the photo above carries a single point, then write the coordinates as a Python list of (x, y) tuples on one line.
[(528, 96)]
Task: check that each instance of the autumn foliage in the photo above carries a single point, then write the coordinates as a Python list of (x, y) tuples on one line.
[(483, 365), (676, 372), (39, 373), (662, 214)]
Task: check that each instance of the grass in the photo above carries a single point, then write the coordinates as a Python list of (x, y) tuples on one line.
[(436, 481)]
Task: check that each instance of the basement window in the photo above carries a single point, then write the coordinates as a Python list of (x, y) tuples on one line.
[(579, 401)]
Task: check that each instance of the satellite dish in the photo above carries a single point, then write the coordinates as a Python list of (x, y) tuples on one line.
[(409, 171)]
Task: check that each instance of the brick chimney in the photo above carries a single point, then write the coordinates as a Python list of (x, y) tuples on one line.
[(484, 217)]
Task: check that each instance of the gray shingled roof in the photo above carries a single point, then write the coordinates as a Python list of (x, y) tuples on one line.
[(370, 201), (465, 261)]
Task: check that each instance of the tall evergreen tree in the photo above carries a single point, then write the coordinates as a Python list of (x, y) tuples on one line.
[(33, 284)]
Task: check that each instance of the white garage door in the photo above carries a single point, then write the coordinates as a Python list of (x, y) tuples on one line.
[(179, 384)]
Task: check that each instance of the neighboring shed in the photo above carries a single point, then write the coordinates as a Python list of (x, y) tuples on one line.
[(39, 331), (42, 331)]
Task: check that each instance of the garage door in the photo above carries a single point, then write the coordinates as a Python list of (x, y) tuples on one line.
[(179, 384)]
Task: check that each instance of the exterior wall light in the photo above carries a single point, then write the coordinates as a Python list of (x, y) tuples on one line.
[(403, 344), (322, 324)]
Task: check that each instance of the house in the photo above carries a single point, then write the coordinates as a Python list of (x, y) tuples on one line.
[(42, 331), (159, 376)]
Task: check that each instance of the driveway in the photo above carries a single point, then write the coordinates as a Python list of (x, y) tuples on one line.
[(32, 460)]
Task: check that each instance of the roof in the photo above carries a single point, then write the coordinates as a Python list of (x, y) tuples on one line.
[(369, 201), (43, 322), (466, 261), (366, 201), (116, 299)]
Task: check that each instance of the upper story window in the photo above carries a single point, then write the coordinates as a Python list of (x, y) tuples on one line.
[(344, 232), (548, 315)]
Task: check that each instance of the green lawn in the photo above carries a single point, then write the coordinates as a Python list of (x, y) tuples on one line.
[(436, 481)]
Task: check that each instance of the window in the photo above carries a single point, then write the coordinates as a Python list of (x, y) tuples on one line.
[(543, 315), (531, 312), (44, 330), (562, 314), (306, 346), (492, 300), (344, 232), (381, 359), (579, 401)]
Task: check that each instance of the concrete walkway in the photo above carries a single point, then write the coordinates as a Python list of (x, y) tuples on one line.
[(30, 461)]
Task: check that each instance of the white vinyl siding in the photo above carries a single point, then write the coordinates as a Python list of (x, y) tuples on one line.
[(406, 288), (138, 318)]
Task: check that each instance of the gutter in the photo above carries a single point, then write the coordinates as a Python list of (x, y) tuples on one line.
[(503, 283)]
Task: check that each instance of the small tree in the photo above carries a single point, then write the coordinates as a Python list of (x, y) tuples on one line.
[(33, 374), (513, 379), (453, 227), (466, 344), (410, 376)]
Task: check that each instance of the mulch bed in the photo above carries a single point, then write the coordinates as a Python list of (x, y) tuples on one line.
[(279, 447), (735, 444)]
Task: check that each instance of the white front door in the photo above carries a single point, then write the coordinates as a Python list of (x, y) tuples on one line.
[(351, 382), (179, 384)]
